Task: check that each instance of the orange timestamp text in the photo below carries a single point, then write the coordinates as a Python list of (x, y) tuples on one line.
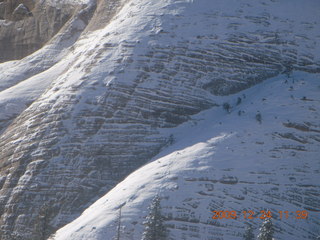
[(249, 214)]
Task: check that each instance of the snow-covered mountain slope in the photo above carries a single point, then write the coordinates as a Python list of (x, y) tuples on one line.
[(75, 127), (226, 161)]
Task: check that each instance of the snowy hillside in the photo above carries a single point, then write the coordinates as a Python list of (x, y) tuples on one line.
[(226, 161), (110, 91)]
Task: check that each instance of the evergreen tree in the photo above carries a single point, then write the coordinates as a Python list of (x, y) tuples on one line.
[(154, 227), (118, 225), (248, 235), (226, 106), (266, 230), (239, 100), (259, 117)]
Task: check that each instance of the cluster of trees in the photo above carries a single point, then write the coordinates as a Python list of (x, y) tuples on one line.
[(155, 228), (227, 107), (266, 231)]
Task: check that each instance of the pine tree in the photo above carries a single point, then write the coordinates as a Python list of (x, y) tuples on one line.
[(266, 230), (239, 100), (248, 235), (259, 117), (154, 227), (226, 106), (118, 223)]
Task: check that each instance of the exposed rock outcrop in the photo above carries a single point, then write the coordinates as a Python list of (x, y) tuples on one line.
[(28, 25), (21, 12)]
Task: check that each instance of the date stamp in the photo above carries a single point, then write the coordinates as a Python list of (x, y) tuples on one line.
[(249, 214)]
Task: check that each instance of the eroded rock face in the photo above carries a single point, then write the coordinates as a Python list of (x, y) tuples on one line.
[(146, 70), (21, 12), (27, 25)]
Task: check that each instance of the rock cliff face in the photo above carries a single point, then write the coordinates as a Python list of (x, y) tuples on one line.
[(115, 75), (26, 25)]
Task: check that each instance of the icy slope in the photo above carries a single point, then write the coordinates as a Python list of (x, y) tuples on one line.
[(139, 67), (224, 161)]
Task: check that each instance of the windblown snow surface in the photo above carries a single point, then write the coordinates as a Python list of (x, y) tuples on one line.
[(143, 94), (226, 161)]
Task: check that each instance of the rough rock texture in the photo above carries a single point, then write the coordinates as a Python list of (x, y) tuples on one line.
[(148, 69), (26, 25)]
